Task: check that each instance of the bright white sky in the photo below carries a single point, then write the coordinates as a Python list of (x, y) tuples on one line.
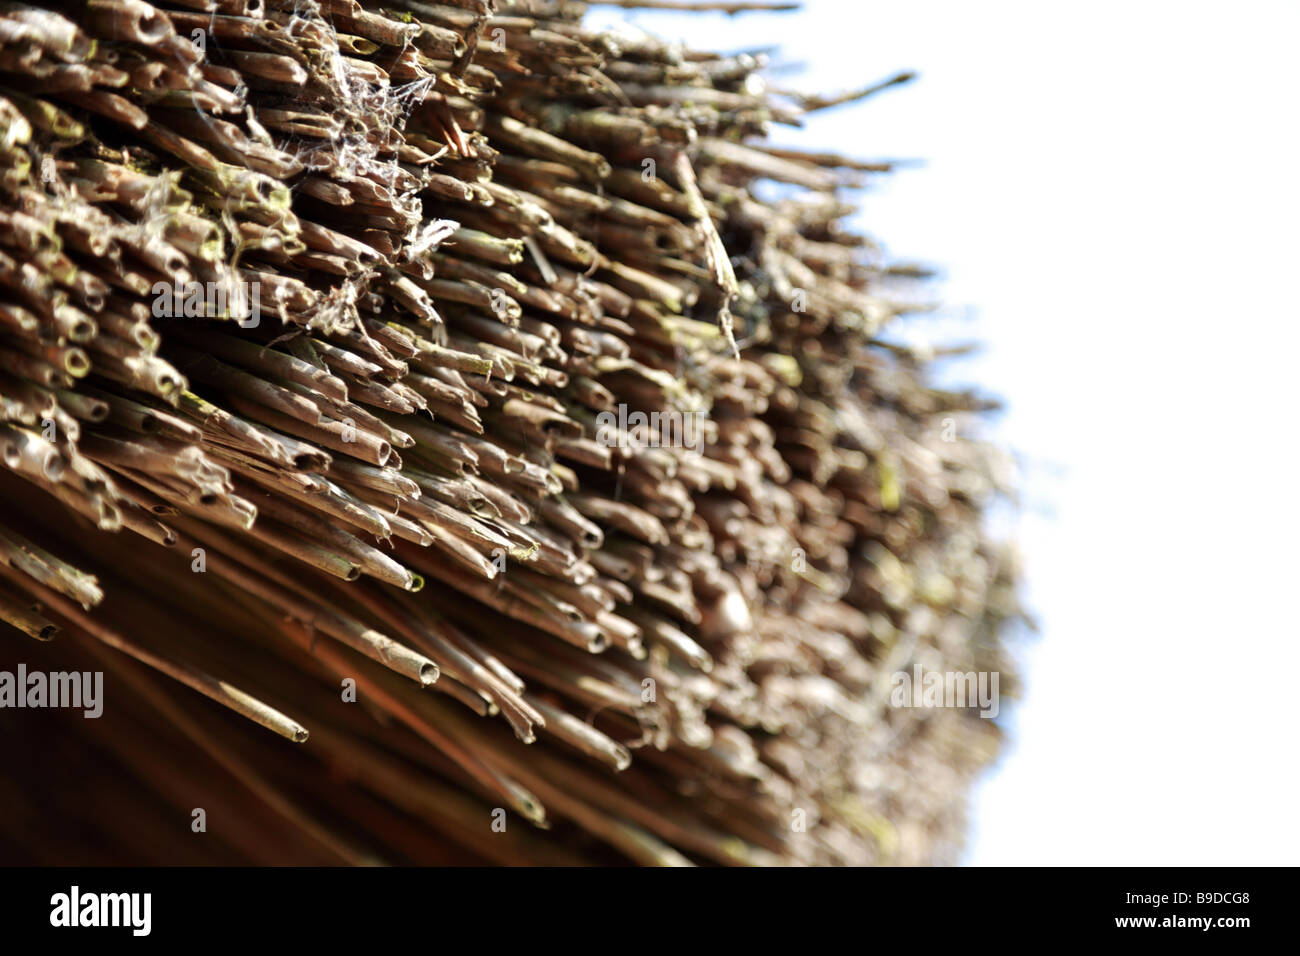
[(1113, 191)]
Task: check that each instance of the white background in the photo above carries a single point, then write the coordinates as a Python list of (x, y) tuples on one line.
[(1111, 190)]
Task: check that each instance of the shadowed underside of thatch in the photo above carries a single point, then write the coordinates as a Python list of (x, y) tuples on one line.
[(325, 330)]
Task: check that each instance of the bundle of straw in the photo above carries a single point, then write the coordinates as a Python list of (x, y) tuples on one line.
[(429, 384)]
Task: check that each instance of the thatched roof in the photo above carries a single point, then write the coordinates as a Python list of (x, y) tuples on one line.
[(588, 475)]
